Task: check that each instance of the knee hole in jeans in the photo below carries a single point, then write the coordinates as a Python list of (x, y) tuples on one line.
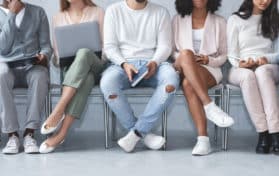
[(170, 88), (112, 96)]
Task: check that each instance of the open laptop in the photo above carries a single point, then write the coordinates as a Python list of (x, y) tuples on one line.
[(71, 38)]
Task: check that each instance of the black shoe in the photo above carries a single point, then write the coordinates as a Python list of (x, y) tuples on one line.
[(275, 143), (264, 142)]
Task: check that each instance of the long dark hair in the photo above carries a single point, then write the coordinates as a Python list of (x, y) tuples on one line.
[(185, 7), (269, 21)]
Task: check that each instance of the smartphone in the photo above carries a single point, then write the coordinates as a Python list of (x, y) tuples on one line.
[(142, 72)]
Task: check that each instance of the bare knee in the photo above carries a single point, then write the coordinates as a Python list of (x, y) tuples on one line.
[(170, 88), (112, 97), (186, 53), (186, 58)]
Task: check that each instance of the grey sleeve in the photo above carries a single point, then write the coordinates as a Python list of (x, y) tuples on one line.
[(44, 36), (273, 58), (7, 34)]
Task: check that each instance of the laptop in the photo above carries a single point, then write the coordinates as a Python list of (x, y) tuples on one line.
[(71, 38)]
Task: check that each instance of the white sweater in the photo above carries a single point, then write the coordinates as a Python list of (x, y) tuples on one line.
[(137, 34), (246, 41)]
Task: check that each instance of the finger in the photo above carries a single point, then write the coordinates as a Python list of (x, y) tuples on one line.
[(134, 70), (148, 75), (130, 75)]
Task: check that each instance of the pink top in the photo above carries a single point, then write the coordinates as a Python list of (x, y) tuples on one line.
[(90, 13), (214, 42)]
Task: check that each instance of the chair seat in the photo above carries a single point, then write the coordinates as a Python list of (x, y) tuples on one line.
[(56, 90), (232, 87), (211, 90), (138, 91)]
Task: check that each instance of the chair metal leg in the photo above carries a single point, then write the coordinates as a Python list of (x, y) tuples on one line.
[(47, 106), (225, 145), (106, 124), (50, 103), (226, 130), (215, 134), (218, 101), (113, 127), (164, 128)]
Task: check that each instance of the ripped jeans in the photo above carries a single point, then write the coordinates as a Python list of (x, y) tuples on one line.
[(114, 81)]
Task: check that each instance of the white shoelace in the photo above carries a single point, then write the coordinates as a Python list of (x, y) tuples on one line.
[(29, 141), (12, 142)]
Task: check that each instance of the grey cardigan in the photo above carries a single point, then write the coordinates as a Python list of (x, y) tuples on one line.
[(31, 38)]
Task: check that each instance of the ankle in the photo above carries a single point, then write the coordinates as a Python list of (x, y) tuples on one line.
[(28, 131), (13, 134), (207, 102), (138, 133), (264, 133), (203, 138), (208, 105)]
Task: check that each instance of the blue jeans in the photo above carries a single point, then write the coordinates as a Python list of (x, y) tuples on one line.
[(114, 81)]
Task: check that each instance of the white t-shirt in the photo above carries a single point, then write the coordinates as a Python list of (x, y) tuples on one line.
[(19, 16), (197, 39), (4, 9), (137, 34)]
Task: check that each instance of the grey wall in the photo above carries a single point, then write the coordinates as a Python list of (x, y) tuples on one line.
[(179, 116)]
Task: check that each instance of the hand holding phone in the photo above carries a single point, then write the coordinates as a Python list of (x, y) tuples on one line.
[(143, 71), (130, 70), (152, 67)]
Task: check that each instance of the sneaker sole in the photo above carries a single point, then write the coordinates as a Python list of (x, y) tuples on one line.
[(11, 152), (120, 145), (158, 147)]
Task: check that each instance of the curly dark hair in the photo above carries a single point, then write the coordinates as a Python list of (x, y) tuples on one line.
[(185, 7), (269, 21)]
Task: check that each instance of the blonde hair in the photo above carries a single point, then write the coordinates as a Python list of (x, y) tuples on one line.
[(64, 4)]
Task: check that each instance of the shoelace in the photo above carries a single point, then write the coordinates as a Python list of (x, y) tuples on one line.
[(217, 110), (29, 141), (12, 142)]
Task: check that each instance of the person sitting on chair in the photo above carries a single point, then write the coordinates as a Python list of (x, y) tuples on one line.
[(24, 52), (138, 32)]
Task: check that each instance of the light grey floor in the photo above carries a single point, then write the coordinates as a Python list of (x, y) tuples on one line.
[(83, 154)]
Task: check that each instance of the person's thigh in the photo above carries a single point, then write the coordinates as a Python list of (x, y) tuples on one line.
[(206, 77), (165, 75), (237, 76), (114, 78), (270, 70), (37, 73)]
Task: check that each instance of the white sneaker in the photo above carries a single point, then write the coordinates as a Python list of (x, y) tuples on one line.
[(129, 142), (153, 141), (30, 145), (202, 146), (218, 116), (12, 146)]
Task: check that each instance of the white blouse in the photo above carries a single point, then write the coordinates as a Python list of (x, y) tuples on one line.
[(245, 40)]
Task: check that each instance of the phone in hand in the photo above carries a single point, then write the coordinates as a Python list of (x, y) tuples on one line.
[(142, 72)]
